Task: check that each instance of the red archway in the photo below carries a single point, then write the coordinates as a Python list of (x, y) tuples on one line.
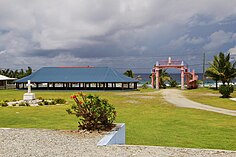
[(191, 77)]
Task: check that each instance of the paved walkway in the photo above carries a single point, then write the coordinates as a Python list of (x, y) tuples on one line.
[(174, 96)]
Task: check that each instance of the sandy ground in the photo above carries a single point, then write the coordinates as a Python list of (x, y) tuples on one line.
[(51, 143), (174, 96)]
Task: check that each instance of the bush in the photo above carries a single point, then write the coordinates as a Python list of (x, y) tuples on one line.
[(3, 104), (226, 90), (22, 104), (60, 101), (173, 83), (40, 98), (52, 102), (40, 104), (93, 113), (45, 102), (27, 104), (144, 86)]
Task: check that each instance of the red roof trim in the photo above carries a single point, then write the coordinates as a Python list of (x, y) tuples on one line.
[(76, 67)]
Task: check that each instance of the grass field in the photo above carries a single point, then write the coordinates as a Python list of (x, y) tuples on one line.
[(149, 119), (211, 97)]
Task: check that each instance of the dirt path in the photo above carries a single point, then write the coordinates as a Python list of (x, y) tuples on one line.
[(174, 96)]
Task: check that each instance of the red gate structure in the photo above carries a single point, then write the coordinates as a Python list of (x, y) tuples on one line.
[(191, 77)]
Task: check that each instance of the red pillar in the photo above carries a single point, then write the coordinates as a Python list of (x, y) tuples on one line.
[(157, 78), (153, 74), (182, 77)]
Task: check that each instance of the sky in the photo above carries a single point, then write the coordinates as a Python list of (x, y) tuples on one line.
[(123, 34)]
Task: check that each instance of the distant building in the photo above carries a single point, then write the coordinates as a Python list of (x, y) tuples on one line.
[(81, 78), (4, 82)]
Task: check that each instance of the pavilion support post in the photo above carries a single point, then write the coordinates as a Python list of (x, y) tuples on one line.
[(47, 85), (157, 78), (122, 86), (6, 84), (17, 85), (37, 85), (128, 85), (135, 85), (182, 77)]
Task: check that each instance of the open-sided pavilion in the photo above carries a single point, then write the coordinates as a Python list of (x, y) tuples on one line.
[(81, 78), (4, 82)]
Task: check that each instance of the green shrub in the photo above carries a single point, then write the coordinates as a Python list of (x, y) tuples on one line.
[(93, 113), (40, 98), (173, 83), (22, 104), (52, 102), (226, 90), (60, 101), (40, 104), (144, 86), (45, 102), (3, 103), (27, 104)]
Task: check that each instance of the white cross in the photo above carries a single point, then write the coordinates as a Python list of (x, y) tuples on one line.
[(29, 86)]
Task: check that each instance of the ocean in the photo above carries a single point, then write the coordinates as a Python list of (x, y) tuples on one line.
[(175, 76)]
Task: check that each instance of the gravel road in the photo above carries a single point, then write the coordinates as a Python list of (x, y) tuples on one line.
[(174, 96), (51, 143)]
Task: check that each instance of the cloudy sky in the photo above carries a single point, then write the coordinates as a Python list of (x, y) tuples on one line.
[(117, 33)]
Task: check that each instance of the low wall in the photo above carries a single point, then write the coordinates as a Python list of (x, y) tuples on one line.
[(114, 137)]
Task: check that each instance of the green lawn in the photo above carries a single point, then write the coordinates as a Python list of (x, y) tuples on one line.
[(149, 119), (211, 97)]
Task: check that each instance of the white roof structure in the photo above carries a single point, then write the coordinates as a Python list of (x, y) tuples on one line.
[(4, 78)]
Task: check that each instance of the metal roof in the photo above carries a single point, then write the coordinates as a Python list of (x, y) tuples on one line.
[(4, 78), (76, 74)]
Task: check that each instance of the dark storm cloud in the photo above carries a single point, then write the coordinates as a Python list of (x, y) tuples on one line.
[(113, 33)]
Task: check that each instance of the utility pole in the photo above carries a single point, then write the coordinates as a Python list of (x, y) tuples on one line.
[(203, 69)]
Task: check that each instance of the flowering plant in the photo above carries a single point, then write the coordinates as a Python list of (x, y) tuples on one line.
[(93, 113)]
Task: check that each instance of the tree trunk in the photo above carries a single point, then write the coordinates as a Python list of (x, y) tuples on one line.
[(216, 84)]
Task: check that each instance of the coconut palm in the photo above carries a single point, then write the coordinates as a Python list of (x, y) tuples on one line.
[(163, 77), (222, 69), (129, 73)]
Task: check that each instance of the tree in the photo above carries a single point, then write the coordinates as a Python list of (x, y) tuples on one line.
[(16, 73), (221, 69), (163, 77), (129, 73), (210, 73)]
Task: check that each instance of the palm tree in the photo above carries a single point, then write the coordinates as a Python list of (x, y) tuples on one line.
[(230, 72), (129, 73), (164, 76), (222, 69)]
